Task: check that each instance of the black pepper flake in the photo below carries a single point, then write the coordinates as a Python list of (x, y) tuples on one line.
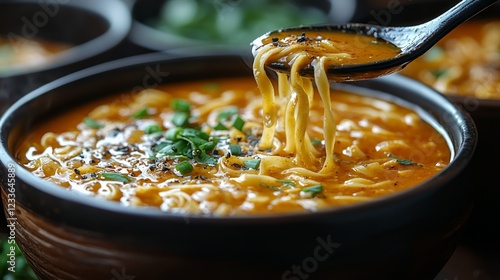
[(93, 175), (123, 149), (165, 169), (203, 178), (302, 38), (77, 171), (84, 177), (152, 167), (275, 41), (114, 132)]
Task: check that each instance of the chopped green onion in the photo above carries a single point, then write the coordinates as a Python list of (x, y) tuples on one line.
[(235, 149), (180, 105), (92, 123), (316, 142), (172, 133), (142, 113), (116, 177), (228, 113), (402, 161), (152, 129), (188, 143), (220, 126), (180, 119), (206, 159), (238, 123), (313, 190), (270, 187), (191, 132), (252, 163), (286, 183), (210, 145), (184, 167)]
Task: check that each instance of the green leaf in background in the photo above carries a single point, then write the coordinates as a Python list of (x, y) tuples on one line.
[(22, 269)]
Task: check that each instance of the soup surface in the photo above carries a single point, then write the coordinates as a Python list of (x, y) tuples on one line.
[(21, 54), (465, 62), (337, 48), (195, 147)]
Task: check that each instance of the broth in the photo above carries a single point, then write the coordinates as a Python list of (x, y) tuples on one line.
[(131, 149)]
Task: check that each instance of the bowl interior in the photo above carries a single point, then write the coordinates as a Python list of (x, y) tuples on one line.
[(136, 73), (387, 229)]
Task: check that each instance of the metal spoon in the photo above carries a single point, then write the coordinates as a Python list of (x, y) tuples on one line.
[(413, 41)]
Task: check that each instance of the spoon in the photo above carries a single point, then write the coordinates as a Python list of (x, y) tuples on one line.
[(412, 42)]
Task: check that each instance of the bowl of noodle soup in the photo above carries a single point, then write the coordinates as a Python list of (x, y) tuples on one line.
[(136, 209)]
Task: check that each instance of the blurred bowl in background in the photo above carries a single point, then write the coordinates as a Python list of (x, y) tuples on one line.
[(43, 40), (160, 25)]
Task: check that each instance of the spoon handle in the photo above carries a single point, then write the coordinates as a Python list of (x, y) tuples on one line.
[(458, 14)]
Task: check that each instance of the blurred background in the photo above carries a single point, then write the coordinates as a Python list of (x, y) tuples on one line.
[(42, 40)]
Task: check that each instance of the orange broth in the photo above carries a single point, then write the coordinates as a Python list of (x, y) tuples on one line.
[(117, 149)]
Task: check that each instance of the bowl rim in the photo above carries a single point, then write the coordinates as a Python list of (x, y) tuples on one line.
[(116, 14), (464, 150)]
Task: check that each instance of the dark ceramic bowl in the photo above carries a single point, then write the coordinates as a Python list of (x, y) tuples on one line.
[(94, 28), (64, 235), (484, 229)]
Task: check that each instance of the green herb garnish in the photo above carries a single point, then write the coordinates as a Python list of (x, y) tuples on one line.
[(142, 113), (235, 149), (402, 161), (92, 123), (180, 119), (227, 114), (180, 105), (152, 129), (116, 177), (220, 126), (270, 187), (252, 163), (313, 190), (184, 167), (288, 183), (189, 143), (238, 123), (316, 142)]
